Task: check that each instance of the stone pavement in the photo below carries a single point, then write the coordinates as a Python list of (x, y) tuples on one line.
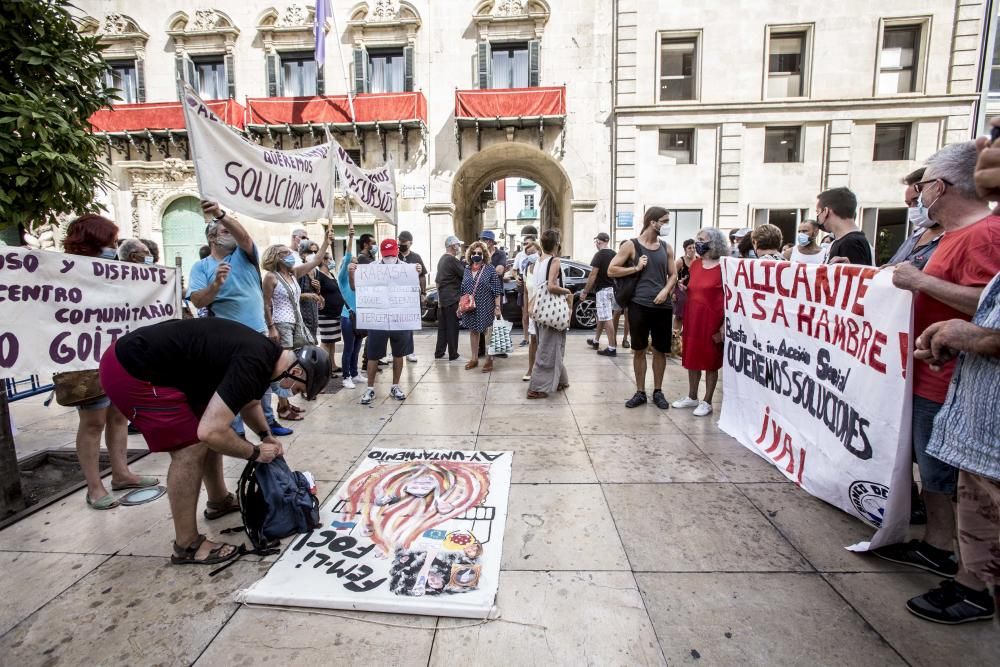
[(633, 537)]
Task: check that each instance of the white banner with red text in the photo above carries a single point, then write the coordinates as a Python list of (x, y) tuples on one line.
[(61, 312), (816, 379)]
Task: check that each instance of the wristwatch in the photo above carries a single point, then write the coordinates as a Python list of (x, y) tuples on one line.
[(256, 453), (221, 215)]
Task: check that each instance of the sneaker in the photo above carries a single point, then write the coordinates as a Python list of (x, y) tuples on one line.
[(952, 603), (397, 392), (279, 430), (412, 358), (524, 343), (384, 362), (918, 553), (608, 352), (703, 410), (593, 343), (348, 383), (626, 344), (639, 398), (686, 402), (659, 400), (368, 396), (457, 357)]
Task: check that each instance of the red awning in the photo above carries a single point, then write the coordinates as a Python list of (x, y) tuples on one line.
[(159, 116), (510, 102), (368, 108)]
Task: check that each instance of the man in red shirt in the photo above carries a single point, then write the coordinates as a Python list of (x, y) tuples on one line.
[(967, 258)]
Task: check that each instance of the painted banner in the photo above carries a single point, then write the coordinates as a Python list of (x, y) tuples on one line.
[(388, 297), (61, 312), (411, 532), (373, 189), (816, 380), (263, 183)]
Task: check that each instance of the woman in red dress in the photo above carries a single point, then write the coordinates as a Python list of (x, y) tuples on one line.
[(704, 315)]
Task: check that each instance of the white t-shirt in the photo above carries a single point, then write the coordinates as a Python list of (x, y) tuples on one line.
[(818, 258)]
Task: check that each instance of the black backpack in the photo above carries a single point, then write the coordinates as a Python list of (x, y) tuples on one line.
[(625, 287)]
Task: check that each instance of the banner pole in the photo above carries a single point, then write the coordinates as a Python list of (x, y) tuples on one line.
[(343, 68), (188, 90)]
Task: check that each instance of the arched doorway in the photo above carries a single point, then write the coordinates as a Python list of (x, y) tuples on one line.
[(183, 233), (498, 161)]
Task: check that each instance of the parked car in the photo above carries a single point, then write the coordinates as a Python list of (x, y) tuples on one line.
[(575, 276)]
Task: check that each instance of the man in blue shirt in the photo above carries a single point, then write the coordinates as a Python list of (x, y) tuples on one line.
[(227, 284)]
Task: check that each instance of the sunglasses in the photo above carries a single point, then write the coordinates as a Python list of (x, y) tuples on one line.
[(919, 185)]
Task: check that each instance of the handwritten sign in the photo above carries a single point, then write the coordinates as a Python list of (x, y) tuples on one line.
[(61, 312), (267, 184), (410, 532), (374, 189), (388, 297), (815, 380)]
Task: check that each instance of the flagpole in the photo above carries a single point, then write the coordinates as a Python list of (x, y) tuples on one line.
[(343, 66)]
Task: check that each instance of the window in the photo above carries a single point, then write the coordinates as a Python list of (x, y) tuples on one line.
[(785, 61), (899, 58), (510, 65), (121, 75), (210, 78), (677, 145), (785, 219), (298, 74), (529, 201), (678, 68), (888, 227), (892, 141), (781, 144), (995, 68), (385, 71), (686, 224), (573, 271)]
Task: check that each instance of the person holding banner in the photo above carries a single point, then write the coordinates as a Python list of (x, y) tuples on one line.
[(353, 337), (483, 287)]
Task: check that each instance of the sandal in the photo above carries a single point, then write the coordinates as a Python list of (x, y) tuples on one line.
[(297, 409), (562, 386), (488, 366), (105, 503), (290, 415), (472, 364), (186, 556), (141, 484), (222, 508), (537, 394)]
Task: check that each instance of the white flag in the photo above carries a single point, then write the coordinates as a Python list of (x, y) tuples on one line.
[(374, 189), (264, 183)]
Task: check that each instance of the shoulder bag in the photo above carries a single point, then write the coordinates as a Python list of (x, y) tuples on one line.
[(467, 302), (75, 388), (550, 310), (625, 287), (301, 336)]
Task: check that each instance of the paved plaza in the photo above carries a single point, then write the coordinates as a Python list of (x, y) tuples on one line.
[(634, 537)]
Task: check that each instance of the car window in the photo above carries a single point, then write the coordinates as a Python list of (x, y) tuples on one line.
[(570, 271)]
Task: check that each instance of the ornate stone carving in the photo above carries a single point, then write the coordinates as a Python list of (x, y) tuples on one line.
[(510, 8), (385, 10), (135, 216), (205, 19), (118, 24), (295, 16)]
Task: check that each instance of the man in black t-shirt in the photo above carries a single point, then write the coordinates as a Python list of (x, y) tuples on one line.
[(182, 382), (599, 284), (405, 241), (835, 212)]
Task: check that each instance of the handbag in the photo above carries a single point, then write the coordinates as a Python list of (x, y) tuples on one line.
[(625, 287), (550, 310), (301, 336), (75, 388), (468, 301), (500, 340)]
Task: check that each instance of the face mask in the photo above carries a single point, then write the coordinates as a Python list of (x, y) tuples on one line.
[(821, 223), (802, 239), (701, 248), (332, 266), (531, 259), (108, 253), (310, 257), (148, 259), (752, 254), (227, 244), (476, 259), (288, 261), (390, 260), (918, 217), (404, 248)]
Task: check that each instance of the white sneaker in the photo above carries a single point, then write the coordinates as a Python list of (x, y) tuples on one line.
[(368, 396), (348, 383), (703, 410), (397, 392), (686, 402), (412, 358)]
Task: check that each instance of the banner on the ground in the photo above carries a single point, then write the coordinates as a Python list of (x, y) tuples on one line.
[(816, 380), (263, 183), (388, 297), (61, 312), (411, 532), (373, 189)]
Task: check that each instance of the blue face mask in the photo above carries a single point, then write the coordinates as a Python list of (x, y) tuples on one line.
[(332, 266), (148, 259), (802, 239), (108, 253), (288, 261), (701, 248)]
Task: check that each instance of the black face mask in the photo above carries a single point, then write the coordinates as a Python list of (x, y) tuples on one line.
[(476, 259), (404, 248)]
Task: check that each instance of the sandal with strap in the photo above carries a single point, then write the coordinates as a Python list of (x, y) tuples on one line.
[(290, 415), (106, 503), (471, 364), (488, 366), (295, 408), (537, 394), (186, 555), (215, 510)]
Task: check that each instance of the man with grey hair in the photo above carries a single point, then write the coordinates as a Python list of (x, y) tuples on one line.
[(135, 251), (298, 236), (448, 277), (948, 288)]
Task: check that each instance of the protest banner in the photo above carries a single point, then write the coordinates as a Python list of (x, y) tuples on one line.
[(264, 183), (816, 380), (373, 189), (61, 312), (388, 297), (411, 532)]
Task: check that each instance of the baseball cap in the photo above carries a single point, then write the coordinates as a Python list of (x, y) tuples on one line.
[(452, 240), (405, 237), (740, 233), (602, 237), (488, 235), (389, 248)]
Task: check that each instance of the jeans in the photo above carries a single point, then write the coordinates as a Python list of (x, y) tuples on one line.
[(447, 335), (265, 405), (936, 476), (352, 348)]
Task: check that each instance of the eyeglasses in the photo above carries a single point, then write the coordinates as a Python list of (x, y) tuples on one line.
[(919, 185)]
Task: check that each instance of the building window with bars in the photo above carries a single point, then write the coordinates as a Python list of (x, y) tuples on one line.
[(899, 59), (678, 145), (786, 65), (781, 144), (678, 68)]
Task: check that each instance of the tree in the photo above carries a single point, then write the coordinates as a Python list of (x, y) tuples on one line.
[(51, 81)]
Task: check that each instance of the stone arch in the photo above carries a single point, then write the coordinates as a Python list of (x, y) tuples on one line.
[(512, 159)]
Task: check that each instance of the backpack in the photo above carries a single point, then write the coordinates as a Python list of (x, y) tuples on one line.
[(625, 287)]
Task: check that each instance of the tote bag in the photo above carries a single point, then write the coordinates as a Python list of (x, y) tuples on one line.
[(550, 310)]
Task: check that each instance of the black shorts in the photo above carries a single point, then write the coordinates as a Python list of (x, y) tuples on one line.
[(379, 342), (646, 322)]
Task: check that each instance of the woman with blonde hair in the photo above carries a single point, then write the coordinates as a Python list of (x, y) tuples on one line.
[(482, 283)]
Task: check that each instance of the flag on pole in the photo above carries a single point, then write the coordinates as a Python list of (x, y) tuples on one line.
[(319, 30)]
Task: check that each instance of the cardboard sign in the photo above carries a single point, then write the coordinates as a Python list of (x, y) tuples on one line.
[(411, 532), (61, 312), (816, 380), (388, 297)]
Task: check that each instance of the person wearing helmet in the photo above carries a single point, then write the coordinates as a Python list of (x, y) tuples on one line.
[(181, 383)]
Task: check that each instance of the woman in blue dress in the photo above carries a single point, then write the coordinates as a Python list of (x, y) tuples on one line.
[(486, 287)]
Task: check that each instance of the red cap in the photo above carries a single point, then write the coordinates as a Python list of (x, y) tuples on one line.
[(389, 248)]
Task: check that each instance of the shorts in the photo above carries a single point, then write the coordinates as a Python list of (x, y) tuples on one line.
[(647, 322), (936, 476), (605, 304), (379, 341), (286, 334), (163, 415), (100, 403)]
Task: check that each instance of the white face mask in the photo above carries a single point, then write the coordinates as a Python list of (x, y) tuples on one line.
[(310, 257), (390, 260), (917, 215)]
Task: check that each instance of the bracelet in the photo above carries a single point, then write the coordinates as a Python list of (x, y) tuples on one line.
[(222, 214), (255, 455)]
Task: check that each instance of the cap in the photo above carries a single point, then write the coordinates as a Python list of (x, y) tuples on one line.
[(388, 248), (740, 233), (602, 237), (452, 240), (488, 235), (405, 237)]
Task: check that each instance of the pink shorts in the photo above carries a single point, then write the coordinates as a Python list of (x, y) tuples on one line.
[(163, 415)]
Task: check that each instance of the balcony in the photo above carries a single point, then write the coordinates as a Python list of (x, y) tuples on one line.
[(528, 214), (510, 109)]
